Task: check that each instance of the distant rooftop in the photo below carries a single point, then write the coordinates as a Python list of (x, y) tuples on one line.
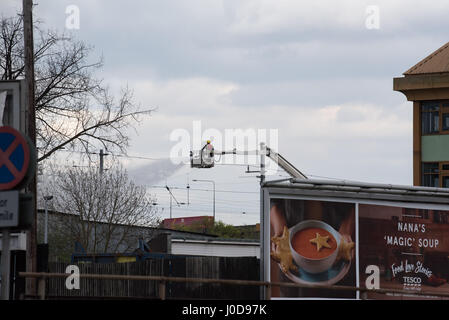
[(437, 62), (187, 221)]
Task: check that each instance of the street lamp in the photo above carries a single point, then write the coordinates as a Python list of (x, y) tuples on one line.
[(46, 198), (213, 183)]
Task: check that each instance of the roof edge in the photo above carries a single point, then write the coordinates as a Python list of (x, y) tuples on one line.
[(426, 60)]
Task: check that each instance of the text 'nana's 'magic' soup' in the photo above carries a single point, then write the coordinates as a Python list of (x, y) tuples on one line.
[(302, 244)]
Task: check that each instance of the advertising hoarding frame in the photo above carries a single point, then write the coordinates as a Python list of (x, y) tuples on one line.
[(332, 191)]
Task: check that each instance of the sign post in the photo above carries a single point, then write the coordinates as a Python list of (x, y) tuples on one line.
[(6, 264), (17, 163)]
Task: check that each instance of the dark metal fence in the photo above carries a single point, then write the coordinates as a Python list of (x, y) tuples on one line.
[(240, 268)]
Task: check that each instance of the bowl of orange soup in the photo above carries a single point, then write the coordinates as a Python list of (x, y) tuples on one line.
[(314, 245)]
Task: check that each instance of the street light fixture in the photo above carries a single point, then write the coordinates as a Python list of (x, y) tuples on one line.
[(213, 183)]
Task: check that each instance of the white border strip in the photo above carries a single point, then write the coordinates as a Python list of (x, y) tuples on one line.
[(357, 260)]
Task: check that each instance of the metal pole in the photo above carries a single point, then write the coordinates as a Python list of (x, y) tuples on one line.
[(213, 182), (263, 152), (162, 290), (171, 200), (41, 288), (101, 161), (265, 292), (46, 199), (6, 264), (171, 197), (46, 222), (27, 7)]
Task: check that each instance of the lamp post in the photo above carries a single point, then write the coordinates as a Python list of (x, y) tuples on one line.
[(46, 198), (213, 183)]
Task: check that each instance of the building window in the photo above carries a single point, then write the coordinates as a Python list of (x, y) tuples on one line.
[(430, 174), (434, 117), (444, 172), (445, 125), (435, 174), (430, 117), (445, 182)]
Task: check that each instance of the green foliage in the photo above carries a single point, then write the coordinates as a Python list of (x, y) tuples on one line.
[(224, 230)]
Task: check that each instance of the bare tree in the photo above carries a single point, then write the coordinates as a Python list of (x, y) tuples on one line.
[(100, 211), (74, 109)]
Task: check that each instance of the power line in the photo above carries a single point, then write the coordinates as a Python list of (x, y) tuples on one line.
[(206, 210), (200, 199), (239, 202), (138, 157), (222, 205), (208, 190), (115, 155)]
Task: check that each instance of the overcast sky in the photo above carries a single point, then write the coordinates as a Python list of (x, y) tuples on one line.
[(313, 70)]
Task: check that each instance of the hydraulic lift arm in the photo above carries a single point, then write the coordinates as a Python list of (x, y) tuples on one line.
[(284, 164), (206, 156)]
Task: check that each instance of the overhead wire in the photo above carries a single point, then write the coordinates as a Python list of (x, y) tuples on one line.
[(207, 190)]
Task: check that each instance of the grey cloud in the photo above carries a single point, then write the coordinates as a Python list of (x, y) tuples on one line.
[(374, 159), (317, 63), (176, 39), (317, 92), (345, 115)]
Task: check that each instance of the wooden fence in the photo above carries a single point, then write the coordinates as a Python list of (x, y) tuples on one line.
[(241, 268)]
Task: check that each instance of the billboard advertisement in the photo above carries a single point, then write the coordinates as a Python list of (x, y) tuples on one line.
[(342, 242), (410, 246)]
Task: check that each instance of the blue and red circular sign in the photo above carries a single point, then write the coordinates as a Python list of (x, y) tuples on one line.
[(14, 158)]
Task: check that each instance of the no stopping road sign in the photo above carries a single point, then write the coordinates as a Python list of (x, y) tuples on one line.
[(15, 158)]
